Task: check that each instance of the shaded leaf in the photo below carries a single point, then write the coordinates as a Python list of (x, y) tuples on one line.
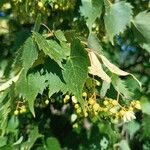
[(49, 47), (76, 69), (29, 87), (54, 78), (146, 123), (91, 9), (37, 23), (30, 53), (33, 136), (53, 144), (142, 23)]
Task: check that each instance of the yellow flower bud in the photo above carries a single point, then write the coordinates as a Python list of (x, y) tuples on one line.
[(56, 6), (96, 107), (105, 109), (74, 99), (76, 106), (75, 125), (23, 110), (130, 108), (137, 106), (85, 114), (47, 102), (91, 101), (84, 94), (16, 112), (122, 112), (114, 102), (105, 102), (78, 110), (67, 97), (40, 4)]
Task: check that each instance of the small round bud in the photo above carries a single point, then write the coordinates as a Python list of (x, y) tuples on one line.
[(105, 109), (22, 110), (56, 6), (84, 94), (85, 114), (16, 112), (67, 97), (91, 101), (114, 102), (122, 112), (74, 99), (40, 4), (76, 106), (96, 107), (75, 125), (47, 102), (105, 102)]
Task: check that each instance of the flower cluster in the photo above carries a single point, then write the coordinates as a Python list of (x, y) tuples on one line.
[(107, 107), (20, 110)]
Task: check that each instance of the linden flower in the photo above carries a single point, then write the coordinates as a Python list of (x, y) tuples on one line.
[(128, 116)]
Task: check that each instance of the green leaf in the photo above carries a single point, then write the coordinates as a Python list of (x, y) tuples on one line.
[(12, 124), (146, 123), (142, 23), (104, 89), (33, 136), (117, 17), (29, 87), (91, 9), (54, 77), (4, 109), (145, 105), (3, 141), (53, 144), (30, 53), (60, 35), (37, 23), (76, 69), (49, 47), (146, 46), (120, 87)]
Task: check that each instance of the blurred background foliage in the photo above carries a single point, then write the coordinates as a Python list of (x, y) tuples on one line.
[(53, 132)]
